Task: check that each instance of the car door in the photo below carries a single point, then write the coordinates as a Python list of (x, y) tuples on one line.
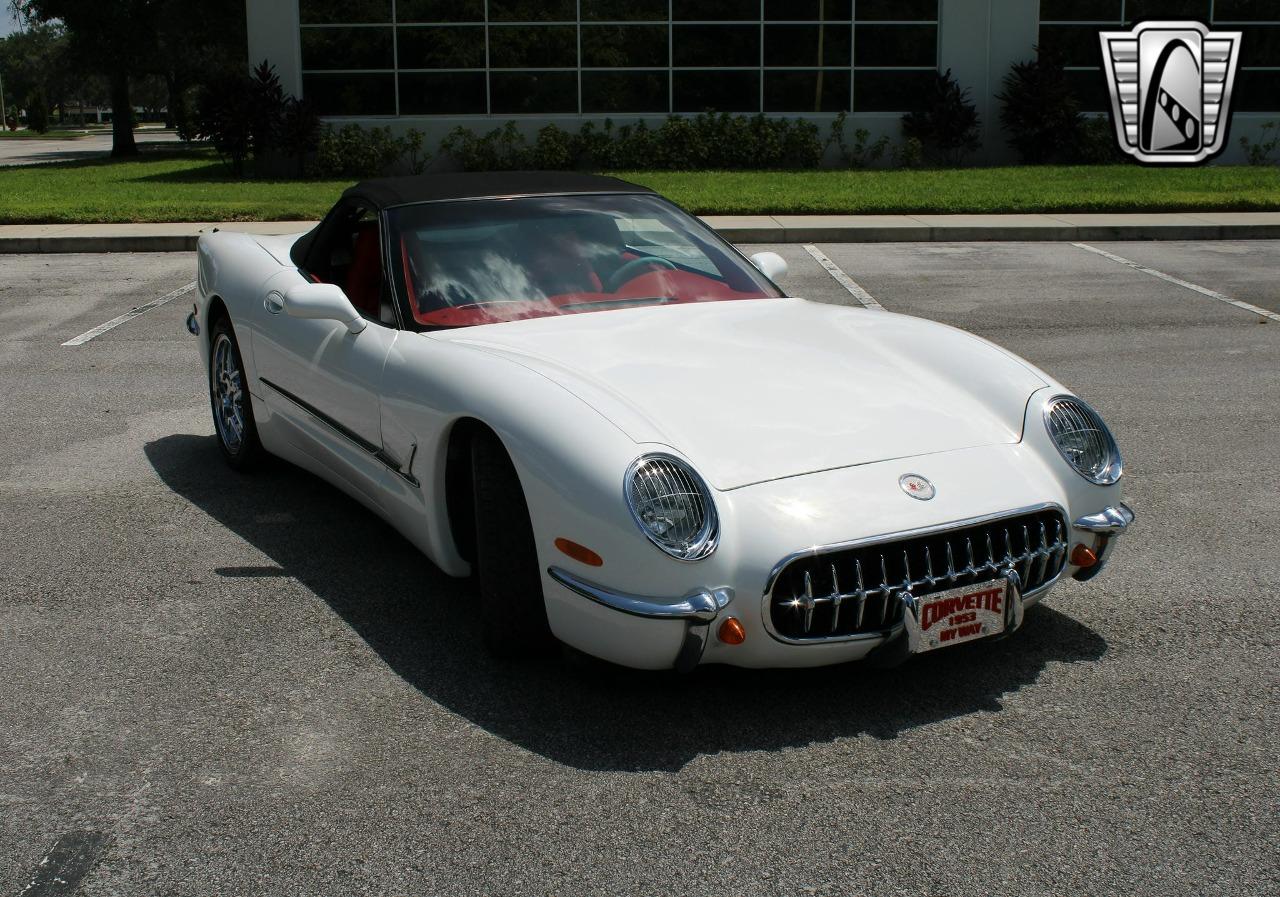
[(317, 374)]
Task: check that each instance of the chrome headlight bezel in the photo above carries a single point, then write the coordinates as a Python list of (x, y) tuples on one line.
[(704, 541), (1113, 467)]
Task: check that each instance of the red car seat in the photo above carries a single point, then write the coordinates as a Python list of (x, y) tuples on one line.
[(364, 277)]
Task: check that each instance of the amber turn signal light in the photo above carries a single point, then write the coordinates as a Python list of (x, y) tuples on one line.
[(1083, 556), (732, 632), (580, 553)]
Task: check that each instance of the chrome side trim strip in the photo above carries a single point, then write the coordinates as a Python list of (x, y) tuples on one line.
[(699, 608), (374, 451), (701, 605)]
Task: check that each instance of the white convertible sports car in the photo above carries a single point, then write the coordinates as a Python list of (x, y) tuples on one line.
[(637, 442)]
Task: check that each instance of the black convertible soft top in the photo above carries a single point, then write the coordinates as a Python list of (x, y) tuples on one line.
[(383, 193)]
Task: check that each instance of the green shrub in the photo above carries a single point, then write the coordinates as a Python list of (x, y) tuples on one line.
[(251, 115), (224, 117), (1038, 110), (705, 141), (1262, 151), (947, 124), (862, 154), (356, 152), (1095, 143), (909, 154)]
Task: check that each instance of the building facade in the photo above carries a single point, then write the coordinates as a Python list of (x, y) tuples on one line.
[(435, 64)]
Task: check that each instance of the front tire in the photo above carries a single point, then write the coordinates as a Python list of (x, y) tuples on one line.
[(513, 612), (232, 407)]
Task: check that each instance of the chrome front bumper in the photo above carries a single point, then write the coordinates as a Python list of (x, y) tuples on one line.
[(699, 608), (1108, 524)]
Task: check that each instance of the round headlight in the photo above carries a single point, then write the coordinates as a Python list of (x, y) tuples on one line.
[(1083, 439), (672, 506)]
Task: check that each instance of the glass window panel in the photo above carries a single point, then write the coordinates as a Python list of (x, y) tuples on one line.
[(1246, 11), (1255, 92), (1090, 90), (368, 94), (624, 10), (442, 93), (895, 45), (895, 10), (533, 10), (518, 47), (435, 11), (441, 48), (1080, 11), (720, 91), (826, 91), (625, 92), (343, 12), (528, 93), (347, 48), (624, 46), (807, 10), (1169, 10), (1073, 44), (891, 91), (1261, 46), (716, 45), (715, 10), (800, 45)]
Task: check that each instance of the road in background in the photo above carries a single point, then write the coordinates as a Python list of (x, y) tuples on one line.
[(35, 151), (227, 684)]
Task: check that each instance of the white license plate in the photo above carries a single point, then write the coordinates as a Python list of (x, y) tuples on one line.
[(962, 615)]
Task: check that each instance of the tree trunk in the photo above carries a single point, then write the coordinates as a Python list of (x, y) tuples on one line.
[(122, 142), (175, 98)]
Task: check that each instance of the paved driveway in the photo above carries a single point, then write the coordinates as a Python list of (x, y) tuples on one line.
[(212, 684), (33, 152)]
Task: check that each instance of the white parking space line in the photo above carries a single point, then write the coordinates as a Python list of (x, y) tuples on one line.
[(1204, 291), (129, 316), (843, 279)]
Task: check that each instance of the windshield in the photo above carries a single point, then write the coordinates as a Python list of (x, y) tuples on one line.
[(488, 261)]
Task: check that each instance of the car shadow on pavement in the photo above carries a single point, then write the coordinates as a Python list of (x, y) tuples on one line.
[(582, 713)]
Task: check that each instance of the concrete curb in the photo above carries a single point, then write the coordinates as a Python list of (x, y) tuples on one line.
[(182, 237)]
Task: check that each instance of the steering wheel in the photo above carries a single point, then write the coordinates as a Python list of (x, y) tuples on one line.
[(631, 270)]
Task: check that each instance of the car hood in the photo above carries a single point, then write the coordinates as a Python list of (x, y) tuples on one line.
[(759, 390)]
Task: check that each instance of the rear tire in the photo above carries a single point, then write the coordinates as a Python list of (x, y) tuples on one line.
[(513, 612), (229, 399)]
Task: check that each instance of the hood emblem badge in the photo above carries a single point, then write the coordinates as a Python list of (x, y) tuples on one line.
[(917, 486)]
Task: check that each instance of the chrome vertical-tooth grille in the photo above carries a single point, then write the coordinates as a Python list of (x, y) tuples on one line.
[(853, 591)]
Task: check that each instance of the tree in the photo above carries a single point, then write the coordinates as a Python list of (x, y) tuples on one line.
[(196, 43), (1039, 111), (123, 39), (947, 123), (36, 73), (116, 38)]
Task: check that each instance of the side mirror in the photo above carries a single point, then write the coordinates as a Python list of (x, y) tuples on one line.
[(325, 302), (771, 265)]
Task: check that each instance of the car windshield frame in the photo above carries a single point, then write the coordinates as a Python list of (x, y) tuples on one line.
[(695, 264)]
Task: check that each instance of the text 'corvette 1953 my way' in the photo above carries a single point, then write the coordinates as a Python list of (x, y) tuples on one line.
[(636, 441)]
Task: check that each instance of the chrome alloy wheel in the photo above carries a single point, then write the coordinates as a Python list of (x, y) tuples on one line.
[(227, 384)]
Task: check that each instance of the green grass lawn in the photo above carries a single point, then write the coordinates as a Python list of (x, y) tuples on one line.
[(47, 135), (197, 187)]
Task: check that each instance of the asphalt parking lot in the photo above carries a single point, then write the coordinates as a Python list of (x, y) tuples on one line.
[(212, 684)]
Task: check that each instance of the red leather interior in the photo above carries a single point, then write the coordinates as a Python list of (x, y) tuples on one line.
[(364, 277)]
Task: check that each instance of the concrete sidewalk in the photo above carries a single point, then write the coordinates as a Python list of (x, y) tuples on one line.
[(738, 229)]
